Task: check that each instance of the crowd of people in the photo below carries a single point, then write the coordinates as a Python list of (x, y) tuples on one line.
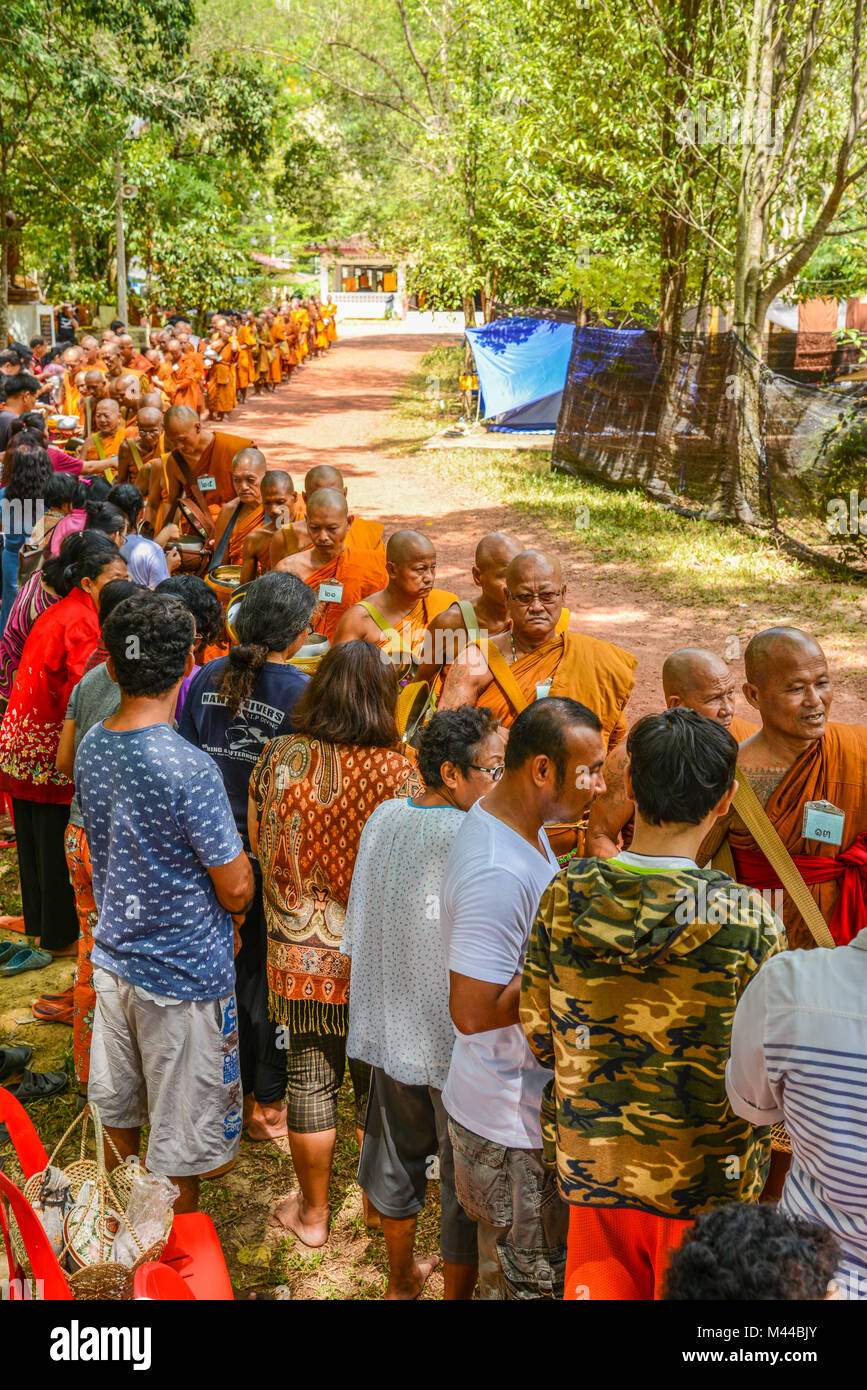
[(330, 817)]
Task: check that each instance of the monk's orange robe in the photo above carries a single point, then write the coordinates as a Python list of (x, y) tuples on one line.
[(361, 572), (410, 634), (596, 673), (267, 354), (362, 535), (167, 379), (330, 312), (320, 337), (188, 382), (833, 769), (246, 366), (221, 383), (741, 729), (111, 445), (243, 528), (278, 334), (302, 318), (216, 463), (70, 398)]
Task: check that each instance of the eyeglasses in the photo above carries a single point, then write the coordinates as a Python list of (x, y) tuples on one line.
[(547, 599), (495, 773)]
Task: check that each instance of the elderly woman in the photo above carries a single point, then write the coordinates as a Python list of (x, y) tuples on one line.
[(310, 796)]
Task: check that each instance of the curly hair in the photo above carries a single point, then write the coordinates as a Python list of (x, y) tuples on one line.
[(200, 600), (113, 593), (753, 1253), (148, 638), (275, 611), (351, 699), (452, 736), (30, 469)]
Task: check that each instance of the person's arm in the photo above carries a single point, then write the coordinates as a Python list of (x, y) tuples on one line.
[(446, 621), (233, 884), (89, 466), (477, 1006), (485, 950), (123, 461), (253, 825), (356, 625), (467, 678), (65, 758), (206, 816), (751, 1093), (534, 1008), (611, 811)]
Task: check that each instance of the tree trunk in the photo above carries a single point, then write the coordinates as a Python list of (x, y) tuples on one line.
[(73, 269)]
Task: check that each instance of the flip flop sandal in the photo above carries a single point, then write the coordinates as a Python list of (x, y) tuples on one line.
[(37, 1085), (13, 1059), (8, 949), (27, 958), (63, 996), (52, 1012)]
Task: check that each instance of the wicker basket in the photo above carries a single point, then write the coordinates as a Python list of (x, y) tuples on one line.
[(780, 1140), (105, 1279)]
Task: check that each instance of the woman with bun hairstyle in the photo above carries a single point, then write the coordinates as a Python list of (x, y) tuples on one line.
[(52, 662), (234, 707)]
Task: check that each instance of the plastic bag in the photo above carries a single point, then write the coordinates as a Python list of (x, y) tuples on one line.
[(150, 1201), (53, 1201)]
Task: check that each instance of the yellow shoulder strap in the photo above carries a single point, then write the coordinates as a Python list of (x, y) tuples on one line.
[(764, 832), (468, 613), (502, 674), (381, 622)]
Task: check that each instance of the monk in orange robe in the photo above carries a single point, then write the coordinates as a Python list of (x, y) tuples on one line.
[(396, 617), (69, 395), (189, 378), (320, 337), (278, 333), (91, 359), (330, 312), (280, 504), (207, 456), (533, 659), (138, 453), (246, 365), (799, 756), (691, 678), (103, 446), (464, 621), (302, 319), (221, 378), (267, 353), (340, 578), (292, 537), (166, 375)]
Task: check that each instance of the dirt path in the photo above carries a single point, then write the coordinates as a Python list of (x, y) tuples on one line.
[(335, 407)]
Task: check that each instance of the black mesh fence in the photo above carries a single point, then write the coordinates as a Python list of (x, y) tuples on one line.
[(673, 417)]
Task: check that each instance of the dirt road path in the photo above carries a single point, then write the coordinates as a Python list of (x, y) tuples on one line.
[(335, 407)]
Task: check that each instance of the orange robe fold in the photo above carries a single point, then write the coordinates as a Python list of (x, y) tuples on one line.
[(167, 379), (361, 572), (240, 531), (741, 729), (188, 382), (246, 362), (110, 446), (221, 383), (833, 769), (596, 673), (411, 634), (364, 535), (216, 463)]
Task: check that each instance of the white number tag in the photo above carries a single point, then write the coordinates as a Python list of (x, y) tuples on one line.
[(207, 483), (823, 821), (542, 689), (330, 593)]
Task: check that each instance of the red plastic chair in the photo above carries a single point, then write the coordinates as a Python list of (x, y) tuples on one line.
[(26, 1142), (157, 1281), (43, 1260), (193, 1251)]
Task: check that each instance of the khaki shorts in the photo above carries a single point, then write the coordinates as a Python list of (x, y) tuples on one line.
[(172, 1065)]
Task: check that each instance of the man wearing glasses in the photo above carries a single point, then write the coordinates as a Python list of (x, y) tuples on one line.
[(536, 657)]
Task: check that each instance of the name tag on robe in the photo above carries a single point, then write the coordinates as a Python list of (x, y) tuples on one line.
[(330, 593), (543, 689), (823, 821), (207, 483)]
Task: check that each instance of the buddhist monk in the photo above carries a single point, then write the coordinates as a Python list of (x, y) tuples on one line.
[(126, 390), (487, 615), (190, 378), (397, 616), (113, 363), (166, 373), (103, 445), (266, 355), (90, 354), (281, 356), (330, 312), (279, 504), (199, 465), (132, 359), (220, 393), (137, 454), (695, 679), (533, 659), (799, 756), (71, 360), (244, 515), (339, 577), (246, 366)]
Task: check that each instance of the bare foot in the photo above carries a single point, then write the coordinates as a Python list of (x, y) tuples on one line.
[(290, 1214), (372, 1218), (422, 1271)]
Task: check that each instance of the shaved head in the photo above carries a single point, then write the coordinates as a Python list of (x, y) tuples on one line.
[(533, 565), (149, 418), (327, 499), (94, 377), (276, 477), (322, 476), (405, 546), (153, 399), (689, 669), (700, 681), (771, 651), (496, 551), (250, 458), (180, 417)]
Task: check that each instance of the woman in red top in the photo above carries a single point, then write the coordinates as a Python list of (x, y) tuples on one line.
[(53, 660)]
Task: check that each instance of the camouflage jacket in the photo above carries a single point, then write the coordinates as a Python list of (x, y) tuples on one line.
[(629, 990)]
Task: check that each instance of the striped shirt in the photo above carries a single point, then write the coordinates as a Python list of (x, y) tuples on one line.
[(799, 1054)]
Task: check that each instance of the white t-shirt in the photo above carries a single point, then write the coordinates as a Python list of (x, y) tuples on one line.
[(492, 883)]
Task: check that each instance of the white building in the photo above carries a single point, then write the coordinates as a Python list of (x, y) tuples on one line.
[(360, 280)]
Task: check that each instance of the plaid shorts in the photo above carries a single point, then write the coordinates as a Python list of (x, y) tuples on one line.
[(316, 1066), (522, 1219)]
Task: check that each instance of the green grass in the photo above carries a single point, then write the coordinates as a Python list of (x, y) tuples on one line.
[(720, 570)]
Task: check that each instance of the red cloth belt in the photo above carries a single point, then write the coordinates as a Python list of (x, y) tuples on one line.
[(850, 912)]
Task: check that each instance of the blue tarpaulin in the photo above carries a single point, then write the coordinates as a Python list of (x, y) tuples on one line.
[(522, 365)]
